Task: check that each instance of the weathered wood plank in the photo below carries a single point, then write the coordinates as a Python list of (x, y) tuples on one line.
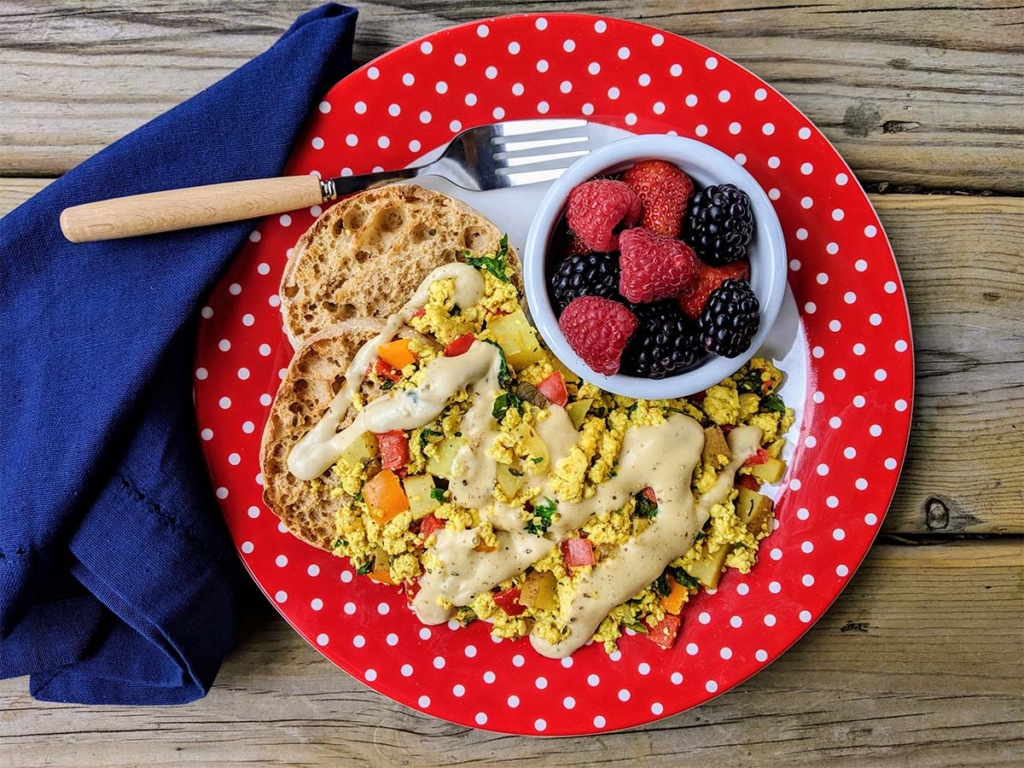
[(918, 663), (912, 93), (962, 261)]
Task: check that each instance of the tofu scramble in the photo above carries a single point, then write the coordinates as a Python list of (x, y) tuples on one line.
[(491, 483)]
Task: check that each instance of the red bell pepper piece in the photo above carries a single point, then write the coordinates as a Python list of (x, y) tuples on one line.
[(394, 449), (749, 482), (553, 388), (577, 552), (385, 370), (460, 346), (760, 457), (698, 397), (508, 601), (665, 632), (649, 494), (429, 525), (412, 588), (420, 312)]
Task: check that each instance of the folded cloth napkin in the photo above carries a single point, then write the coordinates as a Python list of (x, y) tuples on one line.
[(118, 581)]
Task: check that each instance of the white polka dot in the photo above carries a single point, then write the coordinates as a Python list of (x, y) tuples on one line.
[(414, 146), (460, 58), (801, 234), (255, 237), (470, 99), (281, 596), (818, 397), (599, 721), (489, 677), (202, 374), (225, 403), (735, 128), (704, 617), (822, 278), (383, 608), (587, 109), (805, 616), (724, 96), (807, 580), (346, 577), (859, 401), (567, 662), (207, 312), (541, 683), (481, 718), (725, 653), (459, 691), (224, 345), (644, 668), (383, 142), (676, 678), (631, 118), (691, 100), (624, 695), (711, 686), (818, 352), (247, 547), (761, 655), (406, 670), (234, 459), (769, 620), (767, 129), (325, 107), (806, 202), (317, 142), (644, 80), (839, 374), (518, 660), (455, 126), (701, 130), (774, 162), (265, 399), (822, 469), (613, 93), (742, 589), (842, 571), (870, 230), (832, 502), (806, 169), (593, 680), (543, 107), (890, 463), (774, 587), (875, 319), (351, 140)]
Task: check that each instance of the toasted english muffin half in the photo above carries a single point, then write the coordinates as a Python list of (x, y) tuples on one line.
[(312, 379), (366, 255)]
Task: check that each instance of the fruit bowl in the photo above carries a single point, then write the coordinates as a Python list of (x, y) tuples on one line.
[(705, 165)]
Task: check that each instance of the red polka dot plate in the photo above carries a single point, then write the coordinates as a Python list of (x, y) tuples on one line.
[(844, 339)]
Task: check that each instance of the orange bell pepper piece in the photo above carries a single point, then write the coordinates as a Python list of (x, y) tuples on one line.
[(397, 353), (673, 601), (384, 496)]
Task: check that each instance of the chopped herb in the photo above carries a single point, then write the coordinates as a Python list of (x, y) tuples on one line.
[(685, 579), (504, 377), (537, 459), (772, 402), (386, 385), (339, 543), (503, 402), (458, 434), (426, 434), (515, 472), (365, 568), (465, 616), (637, 626), (700, 536), (437, 494), (661, 586), (542, 516), (496, 264), (358, 497), (750, 381), (645, 507), (632, 409)]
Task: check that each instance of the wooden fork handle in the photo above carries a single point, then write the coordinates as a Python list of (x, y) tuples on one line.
[(190, 207)]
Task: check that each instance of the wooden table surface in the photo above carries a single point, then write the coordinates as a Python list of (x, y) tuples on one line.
[(920, 660)]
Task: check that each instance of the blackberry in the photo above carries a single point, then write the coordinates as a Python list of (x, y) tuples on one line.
[(665, 342), (585, 274), (730, 319), (719, 224)]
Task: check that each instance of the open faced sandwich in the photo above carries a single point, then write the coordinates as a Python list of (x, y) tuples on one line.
[(424, 432)]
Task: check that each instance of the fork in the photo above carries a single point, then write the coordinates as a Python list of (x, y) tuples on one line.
[(496, 156)]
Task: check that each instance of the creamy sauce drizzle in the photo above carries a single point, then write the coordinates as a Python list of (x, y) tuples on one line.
[(671, 455), (662, 456), (320, 447)]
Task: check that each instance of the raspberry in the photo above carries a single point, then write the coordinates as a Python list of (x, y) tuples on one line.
[(592, 274), (695, 295), (720, 224), (665, 191), (664, 344), (654, 267), (598, 329), (730, 319), (596, 209)]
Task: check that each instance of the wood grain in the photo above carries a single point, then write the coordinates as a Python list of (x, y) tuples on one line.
[(962, 261), (913, 93), (921, 656)]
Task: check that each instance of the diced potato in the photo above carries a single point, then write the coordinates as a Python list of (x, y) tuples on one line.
[(418, 488), (577, 411), (540, 590), (509, 482), (715, 446), (708, 569), (517, 337), (533, 445), (754, 509), (769, 472), (447, 451), (362, 450)]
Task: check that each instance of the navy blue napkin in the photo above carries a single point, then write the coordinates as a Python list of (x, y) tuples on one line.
[(118, 582)]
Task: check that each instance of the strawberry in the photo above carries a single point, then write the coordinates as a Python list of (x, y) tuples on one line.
[(596, 209), (665, 191), (693, 298), (597, 330), (653, 267)]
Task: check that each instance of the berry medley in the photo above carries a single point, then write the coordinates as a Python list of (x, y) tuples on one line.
[(652, 276)]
